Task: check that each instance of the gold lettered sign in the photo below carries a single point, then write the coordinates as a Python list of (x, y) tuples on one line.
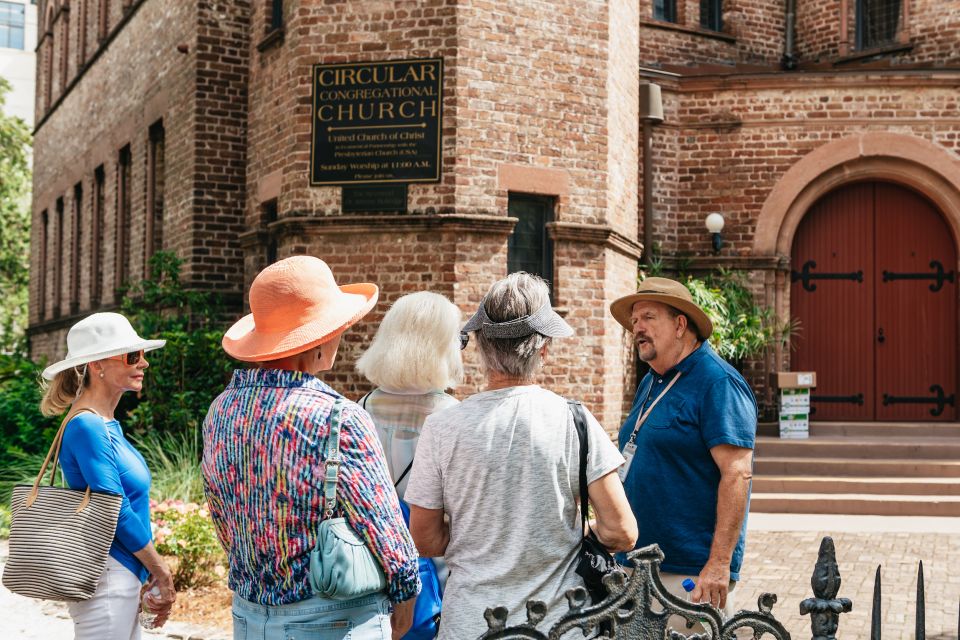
[(376, 122)]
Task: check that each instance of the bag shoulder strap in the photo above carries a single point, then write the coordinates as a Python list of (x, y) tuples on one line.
[(403, 475), (580, 422), (363, 403), (53, 454), (331, 465)]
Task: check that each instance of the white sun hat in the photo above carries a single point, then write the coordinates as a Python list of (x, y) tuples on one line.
[(100, 336)]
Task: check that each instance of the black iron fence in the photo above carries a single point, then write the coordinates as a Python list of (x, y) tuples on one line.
[(640, 607)]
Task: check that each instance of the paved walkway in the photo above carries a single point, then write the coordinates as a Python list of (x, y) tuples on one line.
[(27, 619), (781, 552)]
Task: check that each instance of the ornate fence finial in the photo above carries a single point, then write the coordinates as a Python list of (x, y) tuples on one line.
[(825, 608)]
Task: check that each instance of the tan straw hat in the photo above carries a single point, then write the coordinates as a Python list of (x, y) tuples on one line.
[(669, 292), (296, 306)]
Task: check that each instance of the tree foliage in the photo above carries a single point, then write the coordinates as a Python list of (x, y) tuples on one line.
[(187, 374), (14, 226)]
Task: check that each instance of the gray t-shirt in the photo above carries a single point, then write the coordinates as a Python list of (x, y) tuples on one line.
[(504, 467)]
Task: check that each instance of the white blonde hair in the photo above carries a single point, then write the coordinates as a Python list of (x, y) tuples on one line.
[(416, 348)]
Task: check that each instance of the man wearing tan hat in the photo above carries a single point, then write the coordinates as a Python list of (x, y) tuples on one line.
[(688, 443)]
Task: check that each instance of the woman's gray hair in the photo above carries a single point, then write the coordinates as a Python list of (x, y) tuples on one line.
[(519, 294)]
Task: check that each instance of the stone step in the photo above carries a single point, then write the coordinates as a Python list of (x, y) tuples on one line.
[(856, 504), (878, 486), (929, 448), (873, 429), (855, 467)]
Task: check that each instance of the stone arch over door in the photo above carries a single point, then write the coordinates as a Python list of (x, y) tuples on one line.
[(913, 162), (906, 160)]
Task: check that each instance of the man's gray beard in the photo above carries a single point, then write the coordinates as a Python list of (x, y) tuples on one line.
[(652, 357)]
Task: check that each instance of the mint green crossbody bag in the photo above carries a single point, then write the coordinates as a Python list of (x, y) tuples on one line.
[(342, 567)]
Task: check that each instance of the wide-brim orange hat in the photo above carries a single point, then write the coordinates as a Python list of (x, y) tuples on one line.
[(296, 305), (669, 292)]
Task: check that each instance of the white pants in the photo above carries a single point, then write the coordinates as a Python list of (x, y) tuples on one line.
[(111, 614)]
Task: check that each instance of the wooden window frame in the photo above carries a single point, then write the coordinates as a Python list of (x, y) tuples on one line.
[(42, 275), (546, 270), (122, 258), (153, 227), (96, 236), (58, 260), (76, 246)]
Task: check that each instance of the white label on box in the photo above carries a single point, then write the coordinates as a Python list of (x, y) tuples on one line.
[(805, 378)]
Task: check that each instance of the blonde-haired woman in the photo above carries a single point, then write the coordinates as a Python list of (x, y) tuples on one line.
[(105, 359), (413, 359)]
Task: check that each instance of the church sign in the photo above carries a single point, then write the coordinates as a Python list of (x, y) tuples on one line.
[(376, 122)]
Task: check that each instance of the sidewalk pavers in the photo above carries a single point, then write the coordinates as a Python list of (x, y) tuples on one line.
[(782, 562)]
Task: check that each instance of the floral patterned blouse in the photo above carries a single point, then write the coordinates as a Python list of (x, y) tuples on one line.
[(263, 474)]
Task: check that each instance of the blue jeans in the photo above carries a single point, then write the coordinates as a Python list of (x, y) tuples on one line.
[(366, 618)]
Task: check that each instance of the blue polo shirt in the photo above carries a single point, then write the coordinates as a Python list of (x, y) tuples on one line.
[(673, 480)]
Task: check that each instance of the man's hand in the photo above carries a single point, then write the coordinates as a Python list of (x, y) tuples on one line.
[(402, 618), (713, 584)]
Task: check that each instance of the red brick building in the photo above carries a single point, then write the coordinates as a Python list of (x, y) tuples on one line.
[(187, 127)]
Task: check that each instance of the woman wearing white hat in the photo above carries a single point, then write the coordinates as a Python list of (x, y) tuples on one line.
[(105, 359)]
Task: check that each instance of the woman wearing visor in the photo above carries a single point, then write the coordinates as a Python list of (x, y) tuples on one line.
[(495, 481), (105, 359)]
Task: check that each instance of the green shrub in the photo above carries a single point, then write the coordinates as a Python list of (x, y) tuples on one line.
[(4, 522), (20, 467), (184, 532), (22, 427), (187, 374), (174, 463), (742, 329)]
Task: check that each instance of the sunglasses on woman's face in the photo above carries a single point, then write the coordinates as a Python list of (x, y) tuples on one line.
[(129, 359)]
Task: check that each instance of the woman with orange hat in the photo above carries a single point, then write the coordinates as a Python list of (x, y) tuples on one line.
[(266, 440)]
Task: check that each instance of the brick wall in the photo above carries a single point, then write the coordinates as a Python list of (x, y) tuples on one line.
[(752, 33), (514, 96), (734, 145), (930, 27)]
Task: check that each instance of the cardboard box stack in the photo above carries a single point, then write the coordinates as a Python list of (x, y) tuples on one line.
[(795, 389)]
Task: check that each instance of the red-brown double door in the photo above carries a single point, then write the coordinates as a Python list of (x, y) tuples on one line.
[(874, 287)]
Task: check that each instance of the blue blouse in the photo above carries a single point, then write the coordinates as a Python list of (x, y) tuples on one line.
[(95, 453)]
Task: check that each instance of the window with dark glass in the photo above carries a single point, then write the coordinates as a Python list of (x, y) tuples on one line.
[(269, 215), (12, 24), (96, 238), (711, 14), (529, 247), (122, 247), (276, 14), (58, 261), (153, 232), (42, 271), (75, 248), (665, 10), (878, 22)]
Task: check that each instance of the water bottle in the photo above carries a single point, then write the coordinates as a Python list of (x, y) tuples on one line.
[(148, 616), (688, 586)]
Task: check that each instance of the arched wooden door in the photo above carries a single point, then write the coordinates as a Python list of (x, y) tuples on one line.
[(874, 287)]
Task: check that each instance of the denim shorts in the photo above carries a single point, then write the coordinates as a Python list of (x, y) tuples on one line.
[(366, 618)]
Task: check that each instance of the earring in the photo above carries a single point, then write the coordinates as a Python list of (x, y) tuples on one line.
[(101, 374)]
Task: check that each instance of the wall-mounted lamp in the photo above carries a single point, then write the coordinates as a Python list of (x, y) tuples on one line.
[(714, 224)]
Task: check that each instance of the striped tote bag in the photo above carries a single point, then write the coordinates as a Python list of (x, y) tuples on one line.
[(59, 538)]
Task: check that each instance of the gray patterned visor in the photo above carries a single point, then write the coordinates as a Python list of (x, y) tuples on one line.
[(544, 321)]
